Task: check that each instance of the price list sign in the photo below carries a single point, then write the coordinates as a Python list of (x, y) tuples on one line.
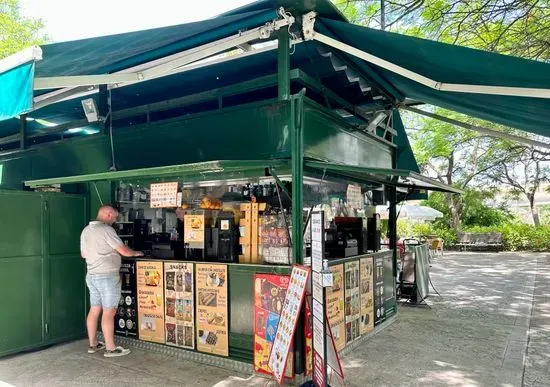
[(287, 322), (164, 195)]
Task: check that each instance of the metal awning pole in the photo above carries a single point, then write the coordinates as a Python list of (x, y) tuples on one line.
[(479, 129)]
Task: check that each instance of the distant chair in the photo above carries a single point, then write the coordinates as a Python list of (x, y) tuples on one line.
[(436, 245)]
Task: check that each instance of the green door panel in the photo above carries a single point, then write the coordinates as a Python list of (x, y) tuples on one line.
[(67, 297), (66, 279), (67, 218), (21, 324), (20, 224)]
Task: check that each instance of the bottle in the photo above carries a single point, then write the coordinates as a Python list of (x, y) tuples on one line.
[(246, 191)]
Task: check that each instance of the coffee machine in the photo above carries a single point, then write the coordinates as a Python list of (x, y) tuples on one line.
[(210, 235), (344, 238)]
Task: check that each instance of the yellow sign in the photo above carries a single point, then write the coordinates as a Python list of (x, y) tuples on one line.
[(335, 306), (211, 301), (366, 271), (150, 300)]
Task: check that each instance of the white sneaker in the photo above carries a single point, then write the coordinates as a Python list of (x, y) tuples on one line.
[(118, 351)]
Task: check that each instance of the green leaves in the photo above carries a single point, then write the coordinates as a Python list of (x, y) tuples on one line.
[(16, 31)]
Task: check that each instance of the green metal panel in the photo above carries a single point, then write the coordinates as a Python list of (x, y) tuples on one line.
[(241, 299), (331, 139), (20, 224), (21, 323), (21, 267), (67, 215), (252, 132)]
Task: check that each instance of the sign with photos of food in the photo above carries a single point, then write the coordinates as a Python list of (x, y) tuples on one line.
[(150, 296), (287, 323), (366, 270), (179, 308), (211, 304), (335, 306), (352, 301), (269, 294), (164, 195)]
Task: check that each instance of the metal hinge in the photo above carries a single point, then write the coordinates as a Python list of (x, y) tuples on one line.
[(46, 328)]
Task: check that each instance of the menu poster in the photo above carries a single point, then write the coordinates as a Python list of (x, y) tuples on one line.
[(269, 296), (150, 301), (353, 301), (193, 230), (380, 312), (286, 327), (308, 334), (335, 306), (164, 195), (366, 266), (211, 300), (126, 317), (179, 308), (354, 197)]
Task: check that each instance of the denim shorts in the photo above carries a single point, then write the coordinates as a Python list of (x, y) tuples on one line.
[(104, 289)]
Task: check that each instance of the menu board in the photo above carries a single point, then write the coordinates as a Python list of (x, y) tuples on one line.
[(126, 317), (366, 266), (179, 308), (335, 306), (150, 297), (211, 300), (287, 323), (352, 302), (269, 294), (379, 311), (354, 197), (193, 230), (164, 195)]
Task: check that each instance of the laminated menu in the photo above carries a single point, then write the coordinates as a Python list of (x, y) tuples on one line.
[(352, 301), (269, 294), (179, 304), (335, 306), (150, 301), (286, 326), (367, 297), (164, 195), (211, 305)]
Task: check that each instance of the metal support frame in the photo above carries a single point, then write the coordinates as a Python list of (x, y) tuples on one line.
[(283, 65), (311, 34), (297, 161), (23, 131), (479, 129)]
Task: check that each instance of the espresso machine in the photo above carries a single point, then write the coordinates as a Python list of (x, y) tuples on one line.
[(344, 238)]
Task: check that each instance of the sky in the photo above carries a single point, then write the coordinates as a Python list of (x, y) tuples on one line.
[(75, 19)]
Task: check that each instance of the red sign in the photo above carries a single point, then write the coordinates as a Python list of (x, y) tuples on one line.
[(308, 333), (319, 370), (269, 296)]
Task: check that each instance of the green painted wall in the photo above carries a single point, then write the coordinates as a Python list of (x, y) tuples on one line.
[(328, 138), (41, 273)]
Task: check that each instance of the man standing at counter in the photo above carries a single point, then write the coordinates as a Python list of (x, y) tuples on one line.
[(102, 249)]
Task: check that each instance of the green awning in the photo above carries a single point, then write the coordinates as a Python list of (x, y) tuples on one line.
[(16, 93), (451, 64), (210, 170), (393, 177)]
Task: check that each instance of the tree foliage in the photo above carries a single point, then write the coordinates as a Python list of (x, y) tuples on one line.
[(515, 27), (16, 31)]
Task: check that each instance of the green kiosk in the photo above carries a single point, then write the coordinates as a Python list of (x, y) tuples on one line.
[(216, 141)]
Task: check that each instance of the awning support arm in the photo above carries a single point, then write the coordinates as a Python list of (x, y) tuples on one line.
[(311, 34), (479, 129), (162, 67)]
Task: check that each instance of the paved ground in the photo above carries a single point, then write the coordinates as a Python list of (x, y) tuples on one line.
[(490, 327)]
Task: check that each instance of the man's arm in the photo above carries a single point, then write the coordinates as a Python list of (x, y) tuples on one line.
[(82, 254), (125, 251)]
